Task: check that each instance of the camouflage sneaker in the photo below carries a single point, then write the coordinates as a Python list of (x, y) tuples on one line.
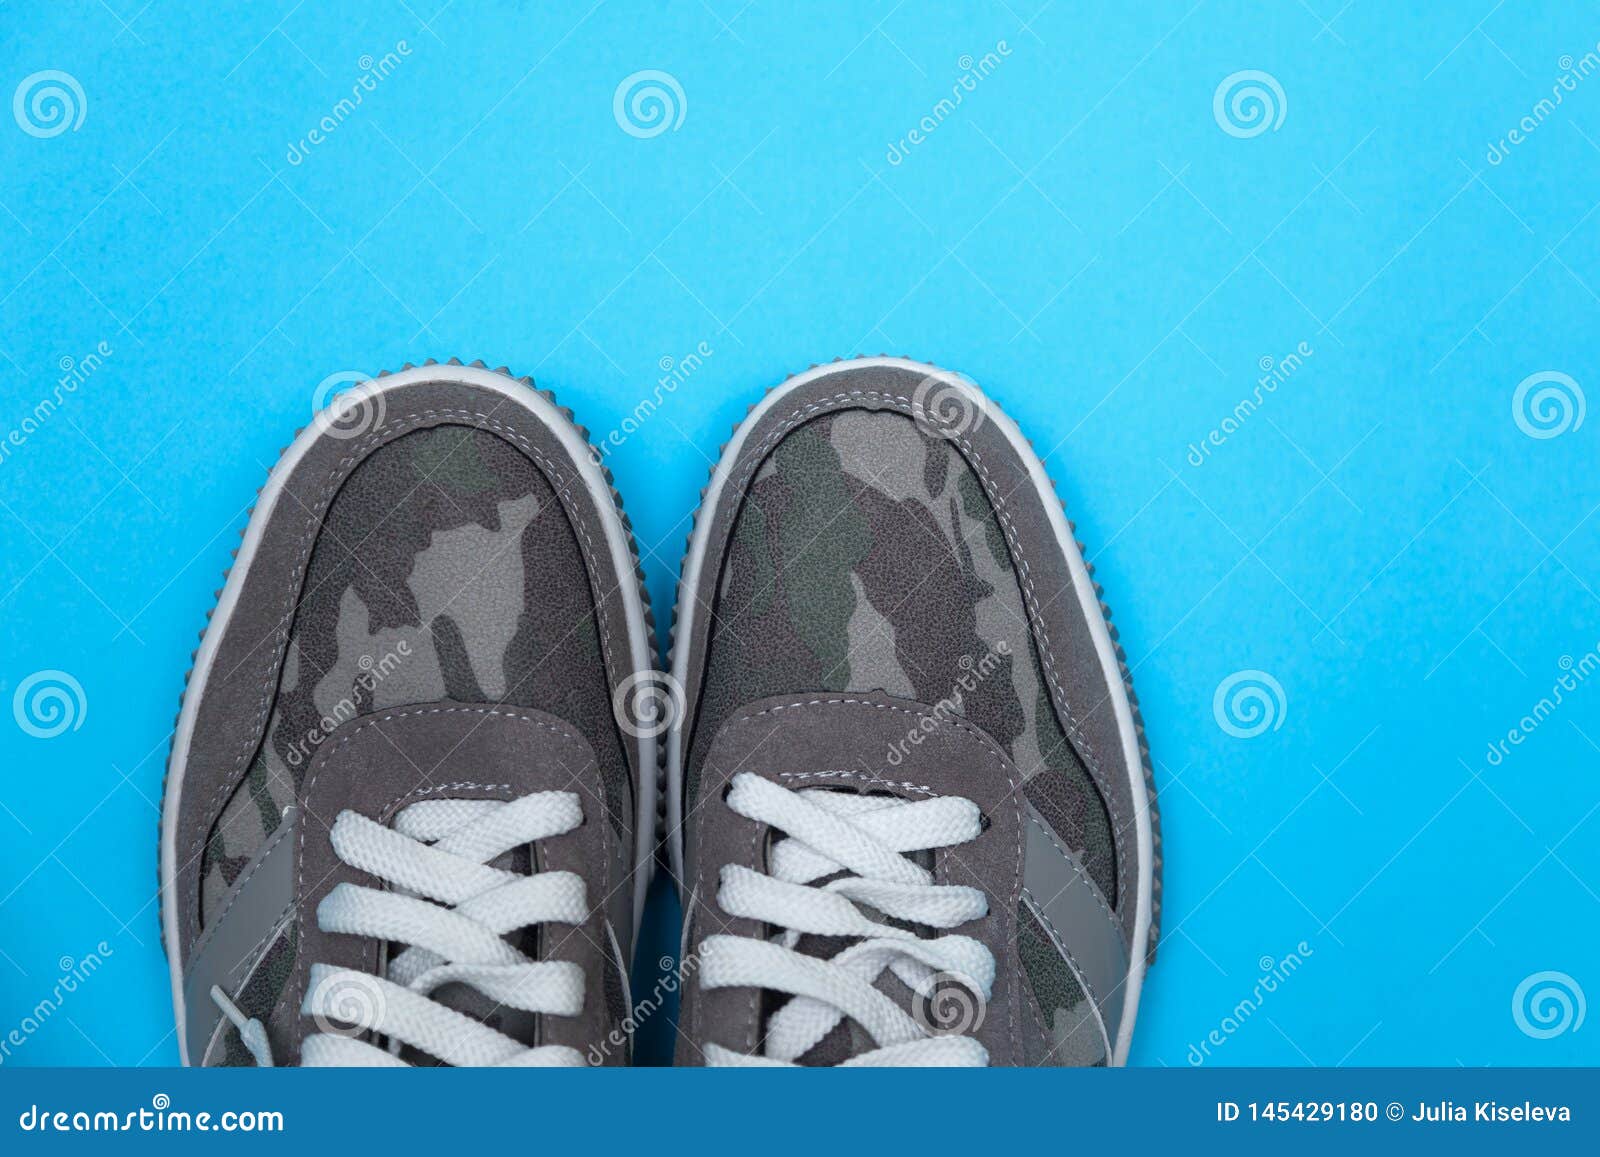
[(403, 821), (909, 805)]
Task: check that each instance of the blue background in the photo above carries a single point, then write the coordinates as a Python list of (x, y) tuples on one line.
[(1080, 235)]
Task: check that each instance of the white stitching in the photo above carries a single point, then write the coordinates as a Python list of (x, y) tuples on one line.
[(322, 501), (990, 747), (1064, 713), (861, 775), (324, 755)]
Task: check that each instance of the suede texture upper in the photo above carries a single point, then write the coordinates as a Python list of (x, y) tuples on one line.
[(463, 751), (915, 554), (453, 554), (870, 555), (819, 741)]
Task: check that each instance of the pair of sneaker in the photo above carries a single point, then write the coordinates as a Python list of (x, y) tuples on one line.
[(413, 803)]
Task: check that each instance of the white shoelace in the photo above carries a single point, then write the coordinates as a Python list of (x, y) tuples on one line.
[(866, 836), (452, 911)]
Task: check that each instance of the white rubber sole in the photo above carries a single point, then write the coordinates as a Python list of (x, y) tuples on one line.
[(618, 544), (1082, 583)]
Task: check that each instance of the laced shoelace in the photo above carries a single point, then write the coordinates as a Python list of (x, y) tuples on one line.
[(452, 911), (865, 838)]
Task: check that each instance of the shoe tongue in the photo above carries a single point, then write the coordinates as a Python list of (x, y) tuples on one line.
[(847, 1039), (843, 1041), (492, 753), (520, 1026)]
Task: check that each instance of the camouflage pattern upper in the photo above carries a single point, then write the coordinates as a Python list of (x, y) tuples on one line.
[(475, 592), (866, 556)]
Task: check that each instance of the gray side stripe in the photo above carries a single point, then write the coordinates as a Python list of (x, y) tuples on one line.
[(1079, 921), (240, 937)]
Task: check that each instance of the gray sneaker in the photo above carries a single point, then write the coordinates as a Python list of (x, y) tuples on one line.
[(909, 806), (403, 821)]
